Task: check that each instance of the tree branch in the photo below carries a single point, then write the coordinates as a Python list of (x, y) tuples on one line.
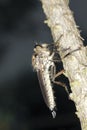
[(67, 38)]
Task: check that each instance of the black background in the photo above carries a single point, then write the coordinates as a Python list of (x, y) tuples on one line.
[(21, 102)]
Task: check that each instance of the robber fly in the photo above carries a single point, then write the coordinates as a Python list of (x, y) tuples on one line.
[(43, 63)]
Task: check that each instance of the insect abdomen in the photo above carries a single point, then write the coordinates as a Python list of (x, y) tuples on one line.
[(47, 91)]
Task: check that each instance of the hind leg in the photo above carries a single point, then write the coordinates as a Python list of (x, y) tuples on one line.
[(60, 83)]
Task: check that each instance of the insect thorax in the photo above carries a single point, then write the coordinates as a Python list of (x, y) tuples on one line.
[(42, 58)]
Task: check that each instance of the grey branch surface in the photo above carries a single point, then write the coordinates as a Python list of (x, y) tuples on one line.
[(67, 38)]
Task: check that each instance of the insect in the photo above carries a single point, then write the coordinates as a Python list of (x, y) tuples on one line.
[(43, 63)]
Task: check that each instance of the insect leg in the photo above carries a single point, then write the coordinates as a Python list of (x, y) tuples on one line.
[(59, 83), (58, 74), (52, 72), (69, 53)]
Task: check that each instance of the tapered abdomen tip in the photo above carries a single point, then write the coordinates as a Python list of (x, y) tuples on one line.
[(53, 114)]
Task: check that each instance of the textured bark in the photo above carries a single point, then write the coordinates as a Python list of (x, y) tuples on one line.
[(67, 38)]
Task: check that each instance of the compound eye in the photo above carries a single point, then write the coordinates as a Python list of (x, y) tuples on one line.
[(37, 45)]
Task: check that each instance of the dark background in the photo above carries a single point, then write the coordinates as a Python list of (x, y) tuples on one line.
[(21, 102)]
